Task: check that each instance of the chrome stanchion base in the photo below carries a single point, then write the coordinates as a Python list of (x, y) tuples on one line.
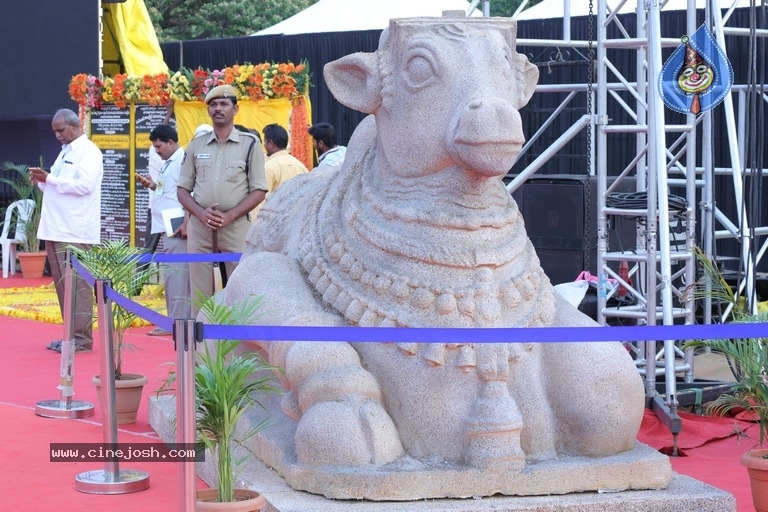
[(59, 409), (101, 481)]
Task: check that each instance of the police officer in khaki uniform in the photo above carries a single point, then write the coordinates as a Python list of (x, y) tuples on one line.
[(222, 179)]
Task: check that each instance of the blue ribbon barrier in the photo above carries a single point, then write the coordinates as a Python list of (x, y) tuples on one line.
[(486, 335), (189, 258), (424, 334), (144, 312)]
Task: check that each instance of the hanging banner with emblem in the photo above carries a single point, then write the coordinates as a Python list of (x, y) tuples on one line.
[(697, 76)]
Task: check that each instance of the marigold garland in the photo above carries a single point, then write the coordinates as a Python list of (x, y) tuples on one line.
[(251, 82), (299, 126), (86, 90), (40, 304)]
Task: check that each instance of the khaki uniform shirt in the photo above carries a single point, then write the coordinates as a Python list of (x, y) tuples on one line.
[(215, 173)]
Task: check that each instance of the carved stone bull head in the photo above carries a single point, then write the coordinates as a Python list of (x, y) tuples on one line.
[(456, 83)]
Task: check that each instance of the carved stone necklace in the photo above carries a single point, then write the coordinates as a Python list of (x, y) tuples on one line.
[(377, 269)]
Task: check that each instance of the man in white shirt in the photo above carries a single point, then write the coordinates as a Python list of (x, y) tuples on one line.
[(165, 141), (71, 215), (330, 154), (154, 164)]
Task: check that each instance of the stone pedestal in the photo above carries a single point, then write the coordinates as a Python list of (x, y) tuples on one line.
[(682, 493)]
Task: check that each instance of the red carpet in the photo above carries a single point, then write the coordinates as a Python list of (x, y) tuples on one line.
[(697, 431), (29, 374)]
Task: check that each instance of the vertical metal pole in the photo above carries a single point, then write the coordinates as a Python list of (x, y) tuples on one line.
[(111, 480), (101, 41), (708, 207), (567, 23), (656, 158), (599, 140), (184, 338), (69, 299), (658, 171), (65, 406), (106, 371), (690, 218), (69, 332), (736, 173), (658, 216), (647, 347)]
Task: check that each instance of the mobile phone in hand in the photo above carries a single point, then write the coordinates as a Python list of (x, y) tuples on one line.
[(142, 180)]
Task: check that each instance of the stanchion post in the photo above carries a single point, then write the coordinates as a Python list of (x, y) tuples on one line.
[(106, 371), (65, 406), (184, 335), (69, 299), (110, 480)]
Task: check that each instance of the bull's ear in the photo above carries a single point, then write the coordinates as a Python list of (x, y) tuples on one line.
[(354, 81), (530, 77)]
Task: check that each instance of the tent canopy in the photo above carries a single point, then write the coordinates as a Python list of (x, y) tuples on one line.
[(555, 8), (346, 15)]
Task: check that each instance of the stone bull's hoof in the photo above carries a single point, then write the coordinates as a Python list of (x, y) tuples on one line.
[(347, 433)]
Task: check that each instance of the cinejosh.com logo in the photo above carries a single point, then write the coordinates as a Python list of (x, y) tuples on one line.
[(146, 452)]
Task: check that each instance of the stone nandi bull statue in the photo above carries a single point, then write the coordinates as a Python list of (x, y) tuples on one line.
[(418, 230)]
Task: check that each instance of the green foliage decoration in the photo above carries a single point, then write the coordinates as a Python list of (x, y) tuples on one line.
[(117, 261), (24, 189)]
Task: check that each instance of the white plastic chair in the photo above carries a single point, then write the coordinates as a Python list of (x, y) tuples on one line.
[(23, 209)]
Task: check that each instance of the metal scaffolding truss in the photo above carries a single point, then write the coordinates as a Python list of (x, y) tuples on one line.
[(659, 294), (657, 272)]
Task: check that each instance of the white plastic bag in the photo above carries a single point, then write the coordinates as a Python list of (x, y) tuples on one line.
[(573, 292)]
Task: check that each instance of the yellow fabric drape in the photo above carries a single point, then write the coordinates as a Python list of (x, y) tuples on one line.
[(252, 114), (130, 40)]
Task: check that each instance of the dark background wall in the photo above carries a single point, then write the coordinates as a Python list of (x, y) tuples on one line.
[(43, 43)]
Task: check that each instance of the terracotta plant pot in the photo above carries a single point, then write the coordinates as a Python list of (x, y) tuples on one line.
[(756, 462), (128, 392), (246, 501), (32, 264)]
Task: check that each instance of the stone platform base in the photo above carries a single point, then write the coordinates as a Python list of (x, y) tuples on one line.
[(682, 493)]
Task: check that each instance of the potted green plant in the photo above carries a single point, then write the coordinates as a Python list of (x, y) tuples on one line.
[(748, 359), (227, 384), (31, 258), (117, 260)]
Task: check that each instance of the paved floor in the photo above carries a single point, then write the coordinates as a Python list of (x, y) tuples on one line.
[(711, 366)]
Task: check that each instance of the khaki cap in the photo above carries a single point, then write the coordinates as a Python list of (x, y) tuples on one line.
[(220, 91)]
